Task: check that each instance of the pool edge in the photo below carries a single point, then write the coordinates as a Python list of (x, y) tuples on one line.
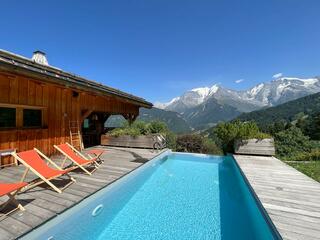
[(264, 212)]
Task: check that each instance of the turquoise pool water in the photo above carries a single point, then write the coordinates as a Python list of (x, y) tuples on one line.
[(176, 196)]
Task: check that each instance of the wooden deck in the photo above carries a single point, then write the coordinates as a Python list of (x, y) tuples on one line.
[(42, 204), (291, 199)]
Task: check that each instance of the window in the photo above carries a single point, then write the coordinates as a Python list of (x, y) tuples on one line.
[(7, 117), (32, 118), (86, 123)]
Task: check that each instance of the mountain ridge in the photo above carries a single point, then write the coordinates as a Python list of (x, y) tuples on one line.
[(307, 105), (265, 94)]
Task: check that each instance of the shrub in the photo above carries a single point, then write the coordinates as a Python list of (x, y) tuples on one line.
[(125, 131), (196, 143), (171, 139), (189, 143), (227, 133), (157, 127), (314, 155), (291, 142), (210, 147), (140, 128)]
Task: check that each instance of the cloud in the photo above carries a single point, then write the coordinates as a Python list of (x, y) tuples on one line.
[(239, 80), (277, 75)]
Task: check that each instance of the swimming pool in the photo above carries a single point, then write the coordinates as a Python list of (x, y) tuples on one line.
[(174, 196)]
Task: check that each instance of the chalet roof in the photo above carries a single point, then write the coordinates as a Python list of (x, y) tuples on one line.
[(25, 65)]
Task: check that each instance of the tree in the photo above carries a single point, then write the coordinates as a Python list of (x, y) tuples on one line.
[(229, 132), (290, 142), (312, 127)]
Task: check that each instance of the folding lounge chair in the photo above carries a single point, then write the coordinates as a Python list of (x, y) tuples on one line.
[(11, 190), (77, 158), (96, 152), (33, 160)]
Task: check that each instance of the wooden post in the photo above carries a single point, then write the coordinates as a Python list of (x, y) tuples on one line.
[(130, 117)]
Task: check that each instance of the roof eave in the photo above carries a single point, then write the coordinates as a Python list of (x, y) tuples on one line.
[(25, 66)]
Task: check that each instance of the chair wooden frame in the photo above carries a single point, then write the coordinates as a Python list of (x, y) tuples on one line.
[(42, 179), (77, 165), (98, 156), (11, 201)]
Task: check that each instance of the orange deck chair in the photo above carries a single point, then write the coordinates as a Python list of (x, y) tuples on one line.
[(96, 152), (77, 158), (34, 160), (11, 190)]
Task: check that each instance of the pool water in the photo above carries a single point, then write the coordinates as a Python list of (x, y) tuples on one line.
[(177, 196)]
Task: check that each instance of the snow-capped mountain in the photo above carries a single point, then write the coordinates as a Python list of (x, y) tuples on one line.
[(265, 94), (189, 99)]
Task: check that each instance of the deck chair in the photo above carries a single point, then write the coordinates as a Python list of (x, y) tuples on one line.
[(96, 152), (77, 158), (11, 190), (34, 160)]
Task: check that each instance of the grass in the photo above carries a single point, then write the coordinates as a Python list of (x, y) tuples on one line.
[(310, 168)]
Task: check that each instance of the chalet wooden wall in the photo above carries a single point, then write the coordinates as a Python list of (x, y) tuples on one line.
[(59, 106)]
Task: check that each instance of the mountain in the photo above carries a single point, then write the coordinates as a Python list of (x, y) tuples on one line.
[(174, 120), (208, 113), (262, 95), (308, 105)]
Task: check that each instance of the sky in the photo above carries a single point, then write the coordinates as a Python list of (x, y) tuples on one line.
[(157, 49)]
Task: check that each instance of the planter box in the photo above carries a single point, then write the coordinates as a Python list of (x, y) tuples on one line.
[(146, 141), (263, 147)]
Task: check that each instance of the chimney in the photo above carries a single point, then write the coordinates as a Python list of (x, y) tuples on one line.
[(40, 57)]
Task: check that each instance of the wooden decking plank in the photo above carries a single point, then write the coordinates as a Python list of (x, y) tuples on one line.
[(14, 226), (42, 203), (5, 235), (43, 213), (294, 222), (27, 218), (291, 198)]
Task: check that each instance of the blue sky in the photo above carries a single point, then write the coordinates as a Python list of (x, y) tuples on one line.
[(159, 48)]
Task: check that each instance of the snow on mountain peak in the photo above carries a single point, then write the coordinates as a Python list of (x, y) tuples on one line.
[(271, 93), (164, 105), (255, 90), (306, 81), (310, 81), (214, 89), (201, 91), (206, 91)]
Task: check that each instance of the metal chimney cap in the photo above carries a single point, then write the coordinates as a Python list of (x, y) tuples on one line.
[(38, 51), (40, 57)]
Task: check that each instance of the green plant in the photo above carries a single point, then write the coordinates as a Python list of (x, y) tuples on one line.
[(290, 142), (197, 144), (312, 168), (210, 147), (125, 131), (171, 140), (189, 143), (228, 132), (140, 128), (157, 127), (314, 155)]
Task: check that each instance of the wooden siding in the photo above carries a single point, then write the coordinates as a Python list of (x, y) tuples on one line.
[(59, 106)]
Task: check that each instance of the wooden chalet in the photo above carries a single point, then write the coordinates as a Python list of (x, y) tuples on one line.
[(41, 105)]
